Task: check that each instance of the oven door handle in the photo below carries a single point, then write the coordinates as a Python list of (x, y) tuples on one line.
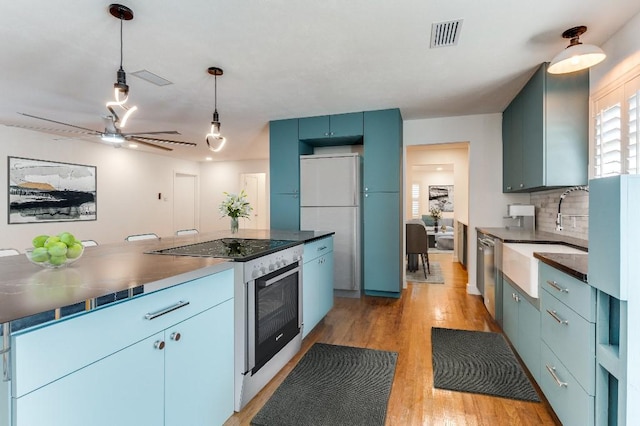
[(267, 283)]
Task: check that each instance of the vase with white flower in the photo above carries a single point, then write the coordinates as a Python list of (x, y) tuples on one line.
[(436, 214), (235, 206)]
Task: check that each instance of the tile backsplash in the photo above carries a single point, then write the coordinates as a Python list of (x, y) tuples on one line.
[(575, 210)]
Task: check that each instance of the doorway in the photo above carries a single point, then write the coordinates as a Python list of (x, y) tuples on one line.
[(185, 201), (254, 185)]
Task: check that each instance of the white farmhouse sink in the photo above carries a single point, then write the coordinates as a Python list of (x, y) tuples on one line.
[(521, 267)]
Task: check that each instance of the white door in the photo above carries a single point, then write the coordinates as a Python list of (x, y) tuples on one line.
[(254, 186), (184, 202)]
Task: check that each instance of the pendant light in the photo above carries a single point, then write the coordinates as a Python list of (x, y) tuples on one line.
[(121, 89), (576, 56), (215, 141)]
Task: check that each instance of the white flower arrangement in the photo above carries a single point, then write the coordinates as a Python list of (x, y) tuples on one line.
[(235, 205)]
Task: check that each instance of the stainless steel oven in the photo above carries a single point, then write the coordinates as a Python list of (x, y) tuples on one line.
[(268, 319), (273, 314)]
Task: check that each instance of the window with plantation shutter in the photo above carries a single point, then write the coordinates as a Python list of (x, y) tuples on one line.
[(415, 200), (616, 127)]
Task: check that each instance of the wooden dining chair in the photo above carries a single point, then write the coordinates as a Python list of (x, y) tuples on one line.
[(418, 244), (186, 232), (8, 252), (138, 237)]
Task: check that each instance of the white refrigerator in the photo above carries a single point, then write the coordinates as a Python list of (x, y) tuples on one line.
[(330, 201)]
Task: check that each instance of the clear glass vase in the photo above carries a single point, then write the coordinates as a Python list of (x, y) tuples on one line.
[(234, 225)]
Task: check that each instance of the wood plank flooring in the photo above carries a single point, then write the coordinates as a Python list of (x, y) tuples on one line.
[(404, 326)]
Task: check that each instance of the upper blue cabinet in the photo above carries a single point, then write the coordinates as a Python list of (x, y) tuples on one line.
[(383, 151), (329, 130), (545, 133)]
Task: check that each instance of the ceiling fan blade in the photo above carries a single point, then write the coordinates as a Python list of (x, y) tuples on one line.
[(149, 144), (166, 132), (49, 130), (164, 141), (94, 132)]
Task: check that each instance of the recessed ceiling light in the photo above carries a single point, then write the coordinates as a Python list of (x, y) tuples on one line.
[(151, 78), (439, 169), (133, 145), (209, 159)]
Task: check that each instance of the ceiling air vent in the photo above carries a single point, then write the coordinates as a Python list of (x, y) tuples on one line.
[(445, 33)]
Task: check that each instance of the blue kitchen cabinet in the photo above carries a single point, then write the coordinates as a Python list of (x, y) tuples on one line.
[(614, 234), (382, 167), (198, 368), (125, 388), (339, 129), (284, 173), (317, 282), (381, 244), (545, 133), (614, 270), (116, 356), (521, 324)]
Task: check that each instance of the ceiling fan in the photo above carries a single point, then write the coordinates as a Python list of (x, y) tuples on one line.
[(111, 133), (113, 123)]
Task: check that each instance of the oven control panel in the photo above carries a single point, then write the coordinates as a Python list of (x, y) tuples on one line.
[(269, 263)]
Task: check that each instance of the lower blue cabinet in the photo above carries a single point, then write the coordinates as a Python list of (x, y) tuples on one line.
[(521, 324), (124, 368), (317, 283)]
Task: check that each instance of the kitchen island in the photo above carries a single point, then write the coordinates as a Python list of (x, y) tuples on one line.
[(161, 348)]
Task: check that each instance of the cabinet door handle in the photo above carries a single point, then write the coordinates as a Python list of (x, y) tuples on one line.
[(175, 336), (156, 314), (515, 297), (555, 285), (322, 248), (509, 188), (159, 344), (522, 185), (552, 371), (555, 316)]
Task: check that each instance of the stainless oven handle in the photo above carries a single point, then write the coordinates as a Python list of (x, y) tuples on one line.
[(267, 283)]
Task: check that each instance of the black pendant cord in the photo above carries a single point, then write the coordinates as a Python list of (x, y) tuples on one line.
[(121, 42)]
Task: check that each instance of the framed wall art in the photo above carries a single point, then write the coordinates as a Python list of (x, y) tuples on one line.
[(441, 196), (48, 191)]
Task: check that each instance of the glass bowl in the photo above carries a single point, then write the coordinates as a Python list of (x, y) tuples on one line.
[(41, 257)]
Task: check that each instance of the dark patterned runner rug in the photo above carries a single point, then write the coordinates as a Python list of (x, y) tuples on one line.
[(478, 362), (333, 385)]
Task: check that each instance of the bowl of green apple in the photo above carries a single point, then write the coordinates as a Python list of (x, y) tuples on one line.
[(55, 251)]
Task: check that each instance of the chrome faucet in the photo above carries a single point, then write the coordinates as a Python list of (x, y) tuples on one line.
[(562, 197)]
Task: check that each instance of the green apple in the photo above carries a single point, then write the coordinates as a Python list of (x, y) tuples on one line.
[(51, 241), (67, 238), (39, 240), (74, 251), (40, 254), (57, 249), (57, 260)]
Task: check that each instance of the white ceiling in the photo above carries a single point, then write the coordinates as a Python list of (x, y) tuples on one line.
[(281, 59)]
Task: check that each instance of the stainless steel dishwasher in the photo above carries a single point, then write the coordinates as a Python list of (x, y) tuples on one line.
[(487, 271)]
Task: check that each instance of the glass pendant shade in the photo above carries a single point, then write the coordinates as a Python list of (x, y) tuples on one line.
[(575, 58)]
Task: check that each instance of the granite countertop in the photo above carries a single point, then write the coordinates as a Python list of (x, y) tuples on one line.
[(519, 235), (569, 263), (572, 264), (27, 289)]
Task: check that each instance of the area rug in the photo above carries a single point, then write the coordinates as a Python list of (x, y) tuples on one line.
[(478, 362), (435, 277), (333, 385)]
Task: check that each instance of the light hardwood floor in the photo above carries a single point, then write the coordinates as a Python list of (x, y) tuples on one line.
[(404, 326)]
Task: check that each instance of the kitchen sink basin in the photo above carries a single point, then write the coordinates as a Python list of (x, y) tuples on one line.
[(519, 265)]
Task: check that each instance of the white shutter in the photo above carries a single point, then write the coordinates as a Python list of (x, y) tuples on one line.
[(608, 140), (415, 200), (632, 94)]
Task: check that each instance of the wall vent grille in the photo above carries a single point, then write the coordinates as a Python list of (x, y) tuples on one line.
[(445, 33)]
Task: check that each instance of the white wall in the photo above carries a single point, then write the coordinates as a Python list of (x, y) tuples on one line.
[(623, 54), (128, 183), (219, 177), (487, 203)]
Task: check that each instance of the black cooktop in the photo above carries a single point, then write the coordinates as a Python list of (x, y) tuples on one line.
[(239, 249)]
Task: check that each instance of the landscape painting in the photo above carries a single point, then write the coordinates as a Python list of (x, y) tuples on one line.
[(47, 191), (441, 196)]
